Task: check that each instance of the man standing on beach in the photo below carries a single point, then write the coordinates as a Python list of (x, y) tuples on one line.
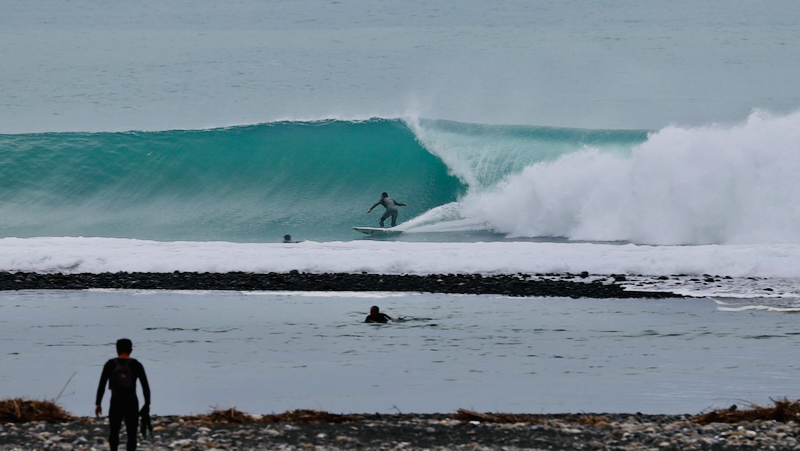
[(391, 208), (121, 375)]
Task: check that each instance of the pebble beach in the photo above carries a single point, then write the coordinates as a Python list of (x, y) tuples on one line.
[(419, 432)]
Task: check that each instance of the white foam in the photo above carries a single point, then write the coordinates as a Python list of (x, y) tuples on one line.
[(705, 185), (94, 255), (759, 307)]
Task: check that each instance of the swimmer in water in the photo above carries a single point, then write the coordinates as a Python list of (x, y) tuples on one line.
[(375, 316)]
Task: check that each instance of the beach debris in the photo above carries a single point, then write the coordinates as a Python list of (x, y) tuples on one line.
[(18, 410), (217, 416), (466, 416), (783, 410), (308, 417), (233, 416), (591, 419)]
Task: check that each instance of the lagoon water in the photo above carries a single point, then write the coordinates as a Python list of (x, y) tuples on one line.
[(269, 352)]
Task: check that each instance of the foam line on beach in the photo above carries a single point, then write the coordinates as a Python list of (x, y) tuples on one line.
[(758, 307), (96, 255)]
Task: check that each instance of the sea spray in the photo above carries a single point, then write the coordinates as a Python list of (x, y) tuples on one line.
[(707, 185)]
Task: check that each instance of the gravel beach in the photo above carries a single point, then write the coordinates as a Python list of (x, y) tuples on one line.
[(550, 285), (419, 432)]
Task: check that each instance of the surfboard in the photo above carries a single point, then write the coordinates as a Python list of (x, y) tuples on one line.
[(376, 230)]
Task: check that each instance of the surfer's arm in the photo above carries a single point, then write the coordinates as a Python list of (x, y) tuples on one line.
[(376, 204), (145, 385), (101, 388)]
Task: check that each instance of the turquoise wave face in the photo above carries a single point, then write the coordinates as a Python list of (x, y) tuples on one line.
[(313, 180)]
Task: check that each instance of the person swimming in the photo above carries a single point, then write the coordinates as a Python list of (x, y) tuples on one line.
[(391, 208), (375, 316)]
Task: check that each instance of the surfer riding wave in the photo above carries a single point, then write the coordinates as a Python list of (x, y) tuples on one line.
[(391, 208)]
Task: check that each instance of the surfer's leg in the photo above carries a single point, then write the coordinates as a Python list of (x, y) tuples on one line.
[(132, 423), (383, 218), (116, 413), (394, 219)]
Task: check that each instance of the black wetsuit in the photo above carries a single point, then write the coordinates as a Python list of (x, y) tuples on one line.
[(379, 318), (391, 209), (124, 406)]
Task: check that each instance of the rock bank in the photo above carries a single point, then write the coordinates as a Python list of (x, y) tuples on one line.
[(508, 285)]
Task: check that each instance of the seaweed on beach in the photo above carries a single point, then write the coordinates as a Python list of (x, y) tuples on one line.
[(18, 410), (592, 420), (464, 415), (308, 417), (227, 416), (233, 416), (782, 411)]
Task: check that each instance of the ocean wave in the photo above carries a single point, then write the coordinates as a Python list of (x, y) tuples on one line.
[(315, 179)]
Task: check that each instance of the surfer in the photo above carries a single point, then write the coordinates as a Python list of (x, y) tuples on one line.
[(375, 316), (121, 374), (391, 208), (288, 239)]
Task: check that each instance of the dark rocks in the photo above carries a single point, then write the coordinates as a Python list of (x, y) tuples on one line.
[(508, 285)]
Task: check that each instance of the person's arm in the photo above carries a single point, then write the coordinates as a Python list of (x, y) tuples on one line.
[(101, 388), (145, 386), (376, 204)]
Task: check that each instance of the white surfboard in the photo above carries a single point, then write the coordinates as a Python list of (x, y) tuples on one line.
[(376, 230)]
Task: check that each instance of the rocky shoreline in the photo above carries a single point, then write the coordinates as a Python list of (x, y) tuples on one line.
[(540, 285), (407, 432)]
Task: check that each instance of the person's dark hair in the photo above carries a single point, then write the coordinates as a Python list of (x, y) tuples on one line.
[(124, 346), (287, 237), (384, 195)]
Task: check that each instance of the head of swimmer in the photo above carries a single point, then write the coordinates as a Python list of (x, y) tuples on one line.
[(374, 310)]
